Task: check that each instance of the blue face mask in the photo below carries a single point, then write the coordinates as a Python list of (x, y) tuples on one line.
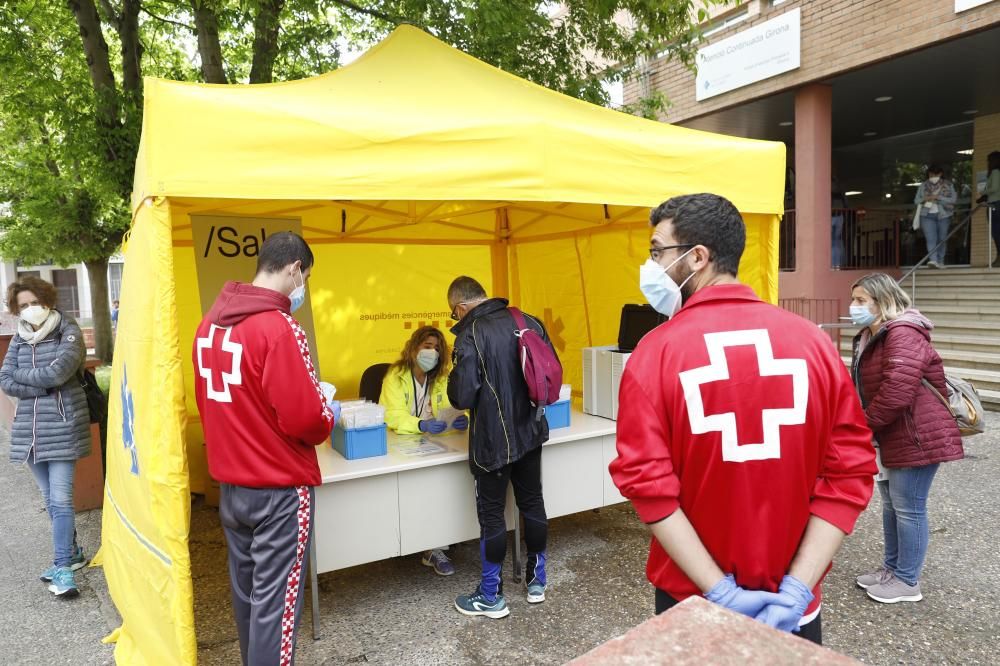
[(298, 295), (861, 315)]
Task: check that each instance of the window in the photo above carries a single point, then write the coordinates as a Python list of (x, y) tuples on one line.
[(115, 281), (67, 292), (726, 23)]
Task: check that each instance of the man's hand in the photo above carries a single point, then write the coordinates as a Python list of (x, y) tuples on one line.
[(461, 423), (751, 603), (785, 615)]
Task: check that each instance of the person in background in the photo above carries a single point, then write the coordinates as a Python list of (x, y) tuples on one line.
[(505, 446), (414, 394), (263, 411), (51, 428), (114, 316), (893, 364), (936, 197), (838, 203), (741, 441), (991, 197)]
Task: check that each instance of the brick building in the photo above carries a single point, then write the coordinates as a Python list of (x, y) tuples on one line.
[(865, 94)]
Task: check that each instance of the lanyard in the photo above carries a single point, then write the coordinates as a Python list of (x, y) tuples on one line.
[(418, 403)]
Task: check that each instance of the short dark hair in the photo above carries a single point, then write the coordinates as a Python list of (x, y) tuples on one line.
[(935, 168), (993, 160), (709, 220), (464, 289), (281, 249), (43, 291)]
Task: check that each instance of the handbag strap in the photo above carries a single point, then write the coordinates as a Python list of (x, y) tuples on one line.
[(937, 393)]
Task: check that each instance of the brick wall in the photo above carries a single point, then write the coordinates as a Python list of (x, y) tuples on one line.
[(837, 36), (986, 139)]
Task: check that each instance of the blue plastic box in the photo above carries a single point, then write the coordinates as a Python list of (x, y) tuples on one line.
[(557, 414), (360, 442)]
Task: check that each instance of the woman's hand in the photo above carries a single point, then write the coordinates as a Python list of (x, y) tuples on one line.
[(432, 426), (461, 423)]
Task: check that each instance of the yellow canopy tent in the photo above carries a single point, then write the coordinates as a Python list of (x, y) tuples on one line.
[(413, 165)]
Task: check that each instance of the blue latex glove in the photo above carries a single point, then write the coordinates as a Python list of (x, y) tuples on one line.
[(785, 614), (728, 594), (335, 408), (461, 423), (433, 427)]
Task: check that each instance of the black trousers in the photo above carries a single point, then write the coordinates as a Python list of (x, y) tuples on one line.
[(268, 531), (491, 499), (813, 631)]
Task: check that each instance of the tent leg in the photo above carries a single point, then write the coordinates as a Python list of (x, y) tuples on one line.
[(314, 588)]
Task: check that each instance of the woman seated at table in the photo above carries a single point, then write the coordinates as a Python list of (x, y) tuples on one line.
[(414, 394)]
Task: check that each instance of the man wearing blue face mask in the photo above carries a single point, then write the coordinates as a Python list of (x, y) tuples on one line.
[(741, 442), (263, 412)]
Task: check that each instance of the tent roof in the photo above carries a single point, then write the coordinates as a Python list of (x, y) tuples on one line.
[(417, 120)]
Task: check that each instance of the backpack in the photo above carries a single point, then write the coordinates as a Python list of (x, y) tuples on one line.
[(97, 402), (963, 403), (539, 363)]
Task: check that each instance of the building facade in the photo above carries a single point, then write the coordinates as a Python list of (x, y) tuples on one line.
[(865, 94)]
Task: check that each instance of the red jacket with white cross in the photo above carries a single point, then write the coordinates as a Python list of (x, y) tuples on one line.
[(261, 406), (744, 416)]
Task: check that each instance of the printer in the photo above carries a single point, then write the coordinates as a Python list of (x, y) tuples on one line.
[(603, 366)]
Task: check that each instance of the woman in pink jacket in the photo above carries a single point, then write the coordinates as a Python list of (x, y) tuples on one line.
[(914, 431)]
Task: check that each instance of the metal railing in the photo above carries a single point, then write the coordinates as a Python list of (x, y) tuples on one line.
[(912, 273), (816, 310)]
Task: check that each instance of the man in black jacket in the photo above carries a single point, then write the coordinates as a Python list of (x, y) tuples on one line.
[(505, 439)]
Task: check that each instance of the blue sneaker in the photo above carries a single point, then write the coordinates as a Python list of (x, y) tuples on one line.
[(64, 583), (439, 561), (478, 604), (536, 592), (78, 561)]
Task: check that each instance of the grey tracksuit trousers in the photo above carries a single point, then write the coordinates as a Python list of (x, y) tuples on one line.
[(268, 531)]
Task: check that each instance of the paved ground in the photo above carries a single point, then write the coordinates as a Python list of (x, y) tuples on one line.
[(397, 611)]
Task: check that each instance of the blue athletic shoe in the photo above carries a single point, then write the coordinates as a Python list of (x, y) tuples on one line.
[(78, 561), (64, 583), (477, 603), (536, 592)]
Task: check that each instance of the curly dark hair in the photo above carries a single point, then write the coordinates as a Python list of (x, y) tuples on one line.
[(408, 358), (43, 290), (709, 220)]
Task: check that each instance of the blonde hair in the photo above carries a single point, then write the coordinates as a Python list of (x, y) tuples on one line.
[(890, 299)]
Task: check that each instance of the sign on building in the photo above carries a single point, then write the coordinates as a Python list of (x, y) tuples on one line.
[(763, 51), (962, 5)]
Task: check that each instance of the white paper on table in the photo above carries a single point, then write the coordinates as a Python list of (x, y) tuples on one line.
[(419, 448), (449, 414)]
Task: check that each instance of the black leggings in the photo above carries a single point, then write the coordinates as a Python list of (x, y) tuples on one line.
[(813, 631), (491, 499)]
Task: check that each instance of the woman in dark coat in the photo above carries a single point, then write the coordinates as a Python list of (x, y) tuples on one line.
[(51, 428), (914, 432)]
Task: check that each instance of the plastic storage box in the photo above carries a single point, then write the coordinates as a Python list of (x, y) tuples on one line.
[(557, 414), (360, 442)]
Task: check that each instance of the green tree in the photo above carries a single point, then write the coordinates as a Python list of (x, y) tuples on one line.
[(71, 96)]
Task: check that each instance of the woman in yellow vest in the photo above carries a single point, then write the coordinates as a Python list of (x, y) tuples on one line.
[(414, 393)]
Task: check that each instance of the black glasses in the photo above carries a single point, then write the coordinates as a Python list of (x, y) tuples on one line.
[(656, 252)]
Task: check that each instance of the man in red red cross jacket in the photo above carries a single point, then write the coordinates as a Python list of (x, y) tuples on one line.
[(741, 440), (263, 411)]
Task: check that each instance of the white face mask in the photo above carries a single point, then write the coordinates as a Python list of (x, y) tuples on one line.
[(35, 314), (934, 179), (298, 295), (427, 359), (659, 288)]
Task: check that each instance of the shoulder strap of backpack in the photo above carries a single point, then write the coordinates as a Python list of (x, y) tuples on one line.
[(518, 318)]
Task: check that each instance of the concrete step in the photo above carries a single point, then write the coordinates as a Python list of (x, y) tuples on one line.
[(949, 343), (957, 358), (967, 293), (948, 308)]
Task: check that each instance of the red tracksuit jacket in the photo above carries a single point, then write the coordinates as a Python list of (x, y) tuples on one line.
[(744, 416), (261, 406)]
